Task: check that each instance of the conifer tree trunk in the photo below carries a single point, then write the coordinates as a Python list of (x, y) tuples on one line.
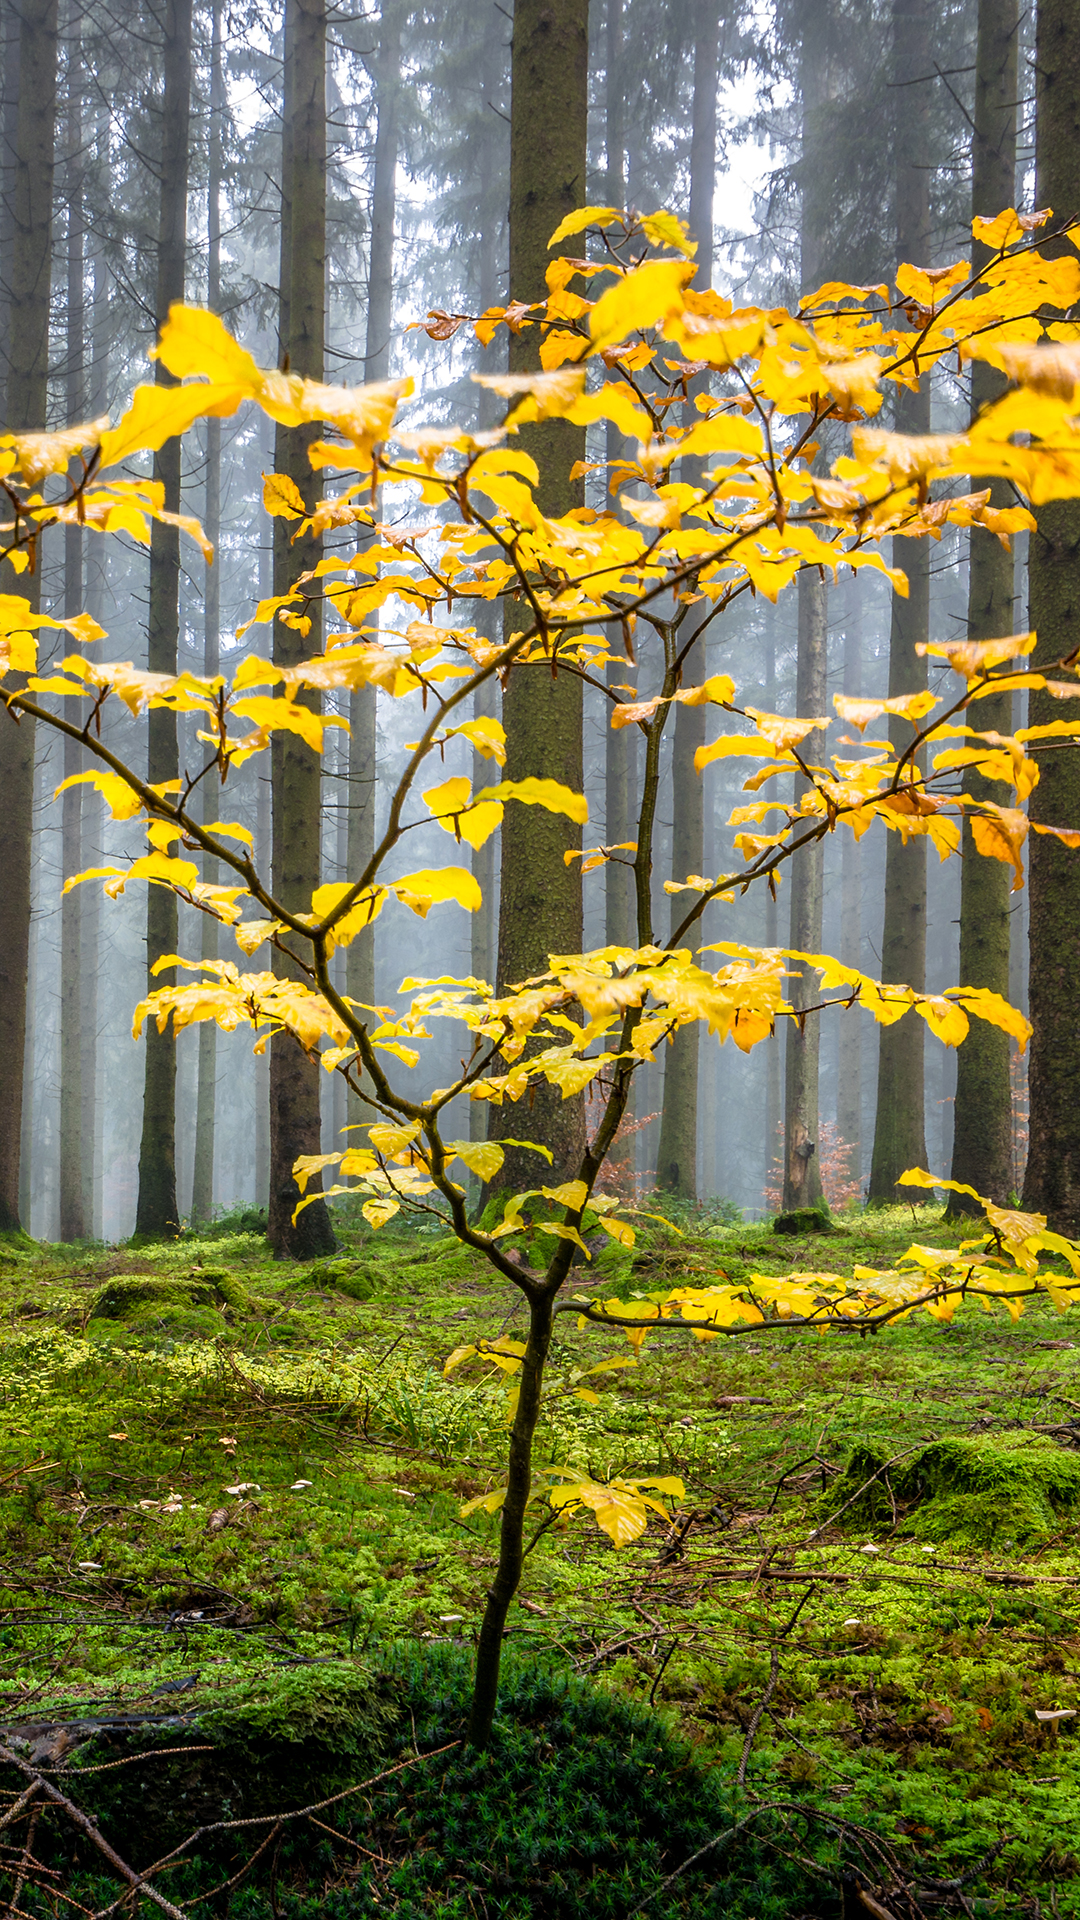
[(9, 115), (773, 1049), (849, 1074), (540, 897), (899, 1129), (487, 703), (157, 1213), (202, 1182), (28, 364), (677, 1152), (620, 743), (72, 1220), (360, 955), (95, 565), (295, 1118), (1052, 1181), (802, 1175), (982, 1136)]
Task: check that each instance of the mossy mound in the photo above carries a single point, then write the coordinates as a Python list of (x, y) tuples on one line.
[(581, 1807), (985, 1490), (804, 1220), (352, 1277), (129, 1295)]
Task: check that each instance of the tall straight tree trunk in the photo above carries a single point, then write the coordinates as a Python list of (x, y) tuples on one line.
[(774, 1050), (540, 897), (900, 1128), (620, 743), (1052, 1181), (9, 117), (487, 703), (802, 1169), (72, 960), (28, 366), (849, 1074), (677, 1152), (202, 1182), (982, 1113), (295, 1118), (157, 1213), (95, 563), (362, 788)]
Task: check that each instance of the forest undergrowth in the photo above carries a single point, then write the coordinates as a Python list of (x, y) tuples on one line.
[(231, 1492)]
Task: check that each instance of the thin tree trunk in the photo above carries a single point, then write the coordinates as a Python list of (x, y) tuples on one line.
[(900, 1129), (28, 378), (202, 1182), (849, 1070), (9, 82), (157, 1213), (802, 1173), (362, 787), (982, 1114), (677, 1152), (487, 702), (72, 959), (264, 846), (90, 909), (620, 743), (295, 1117), (774, 1060), (1052, 1180)]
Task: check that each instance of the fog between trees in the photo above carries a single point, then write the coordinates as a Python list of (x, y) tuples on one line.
[(812, 139)]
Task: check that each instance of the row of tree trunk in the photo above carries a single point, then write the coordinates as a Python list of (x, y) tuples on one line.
[(539, 896)]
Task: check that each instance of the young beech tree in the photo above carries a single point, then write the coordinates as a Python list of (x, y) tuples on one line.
[(583, 587)]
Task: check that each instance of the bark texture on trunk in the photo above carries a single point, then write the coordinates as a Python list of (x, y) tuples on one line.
[(802, 1172), (157, 1212), (202, 1180), (900, 1129), (28, 363), (982, 1113), (295, 1117), (540, 897), (362, 780), (677, 1152), (802, 1176), (72, 1223), (849, 1075), (1052, 1181)]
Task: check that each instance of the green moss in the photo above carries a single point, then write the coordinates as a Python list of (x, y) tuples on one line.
[(130, 1295), (970, 1491), (804, 1220), (358, 1280)]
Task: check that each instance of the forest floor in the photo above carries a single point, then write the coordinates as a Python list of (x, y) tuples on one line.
[(234, 1488)]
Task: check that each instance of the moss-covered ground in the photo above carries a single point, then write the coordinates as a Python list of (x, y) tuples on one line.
[(230, 1499)]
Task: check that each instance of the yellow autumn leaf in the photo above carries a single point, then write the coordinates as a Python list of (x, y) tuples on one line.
[(121, 799), (572, 1194), (377, 1212), (647, 296), (157, 414), (432, 886), (40, 454), (194, 341), (550, 794), (282, 497), (482, 1157), (584, 217)]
